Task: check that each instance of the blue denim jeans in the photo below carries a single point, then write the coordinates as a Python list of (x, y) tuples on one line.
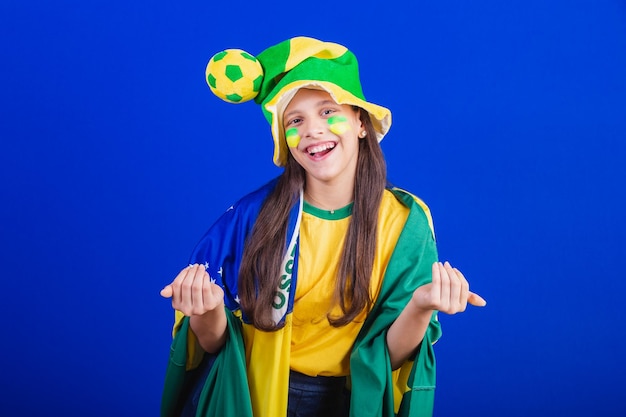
[(317, 396), (308, 396), (199, 377)]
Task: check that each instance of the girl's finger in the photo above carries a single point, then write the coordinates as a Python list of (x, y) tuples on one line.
[(444, 299), (208, 293), (457, 303), (476, 300), (180, 283), (464, 295), (435, 292), (167, 291), (196, 287)]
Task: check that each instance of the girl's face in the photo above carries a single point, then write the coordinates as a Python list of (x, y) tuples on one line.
[(322, 136)]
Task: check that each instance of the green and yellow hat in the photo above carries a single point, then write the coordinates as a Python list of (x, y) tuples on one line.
[(274, 76)]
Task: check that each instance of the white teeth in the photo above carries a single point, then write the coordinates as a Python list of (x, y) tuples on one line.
[(320, 148)]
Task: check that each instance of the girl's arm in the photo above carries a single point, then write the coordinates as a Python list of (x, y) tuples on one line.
[(194, 295), (448, 292)]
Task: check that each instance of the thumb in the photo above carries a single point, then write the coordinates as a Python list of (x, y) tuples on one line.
[(476, 300), (167, 292)]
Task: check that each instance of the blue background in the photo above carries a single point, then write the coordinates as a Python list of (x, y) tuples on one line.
[(115, 157)]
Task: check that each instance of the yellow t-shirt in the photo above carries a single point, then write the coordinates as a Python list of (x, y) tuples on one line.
[(317, 348)]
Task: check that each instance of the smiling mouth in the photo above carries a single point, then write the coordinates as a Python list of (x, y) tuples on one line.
[(321, 149)]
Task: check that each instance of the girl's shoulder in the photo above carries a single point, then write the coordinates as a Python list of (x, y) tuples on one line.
[(406, 197), (413, 202)]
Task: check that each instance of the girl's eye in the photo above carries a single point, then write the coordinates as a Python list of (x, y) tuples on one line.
[(326, 112), (294, 121)]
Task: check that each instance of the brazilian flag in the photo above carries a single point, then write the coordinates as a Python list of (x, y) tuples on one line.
[(234, 388)]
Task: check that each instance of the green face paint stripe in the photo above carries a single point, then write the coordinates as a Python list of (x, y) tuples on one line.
[(338, 124), (292, 137), (337, 119)]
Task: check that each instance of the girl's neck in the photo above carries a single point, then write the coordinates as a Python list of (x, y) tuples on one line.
[(328, 196)]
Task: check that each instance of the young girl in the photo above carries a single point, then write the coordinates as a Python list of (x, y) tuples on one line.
[(316, 295)]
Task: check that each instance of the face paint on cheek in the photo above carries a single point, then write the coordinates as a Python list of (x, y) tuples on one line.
[(338, 125), (292, 137)]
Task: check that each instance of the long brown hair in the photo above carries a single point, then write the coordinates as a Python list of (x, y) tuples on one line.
[(260, 274)]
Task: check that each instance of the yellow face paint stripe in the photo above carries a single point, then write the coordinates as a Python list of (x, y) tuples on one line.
[(338, 125), (292, 137)]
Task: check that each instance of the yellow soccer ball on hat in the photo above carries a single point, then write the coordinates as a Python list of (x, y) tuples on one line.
[(234, 75)]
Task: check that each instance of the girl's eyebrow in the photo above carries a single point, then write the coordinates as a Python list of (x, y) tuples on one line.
[(326, 103), (318, 104)]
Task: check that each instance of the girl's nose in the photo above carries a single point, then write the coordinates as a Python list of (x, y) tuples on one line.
[(314, 128)]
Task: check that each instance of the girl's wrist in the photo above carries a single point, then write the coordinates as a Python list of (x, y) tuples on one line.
[(416, 310)]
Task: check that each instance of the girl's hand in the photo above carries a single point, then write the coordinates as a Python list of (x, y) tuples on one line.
[(448, 292), (193, 293)]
